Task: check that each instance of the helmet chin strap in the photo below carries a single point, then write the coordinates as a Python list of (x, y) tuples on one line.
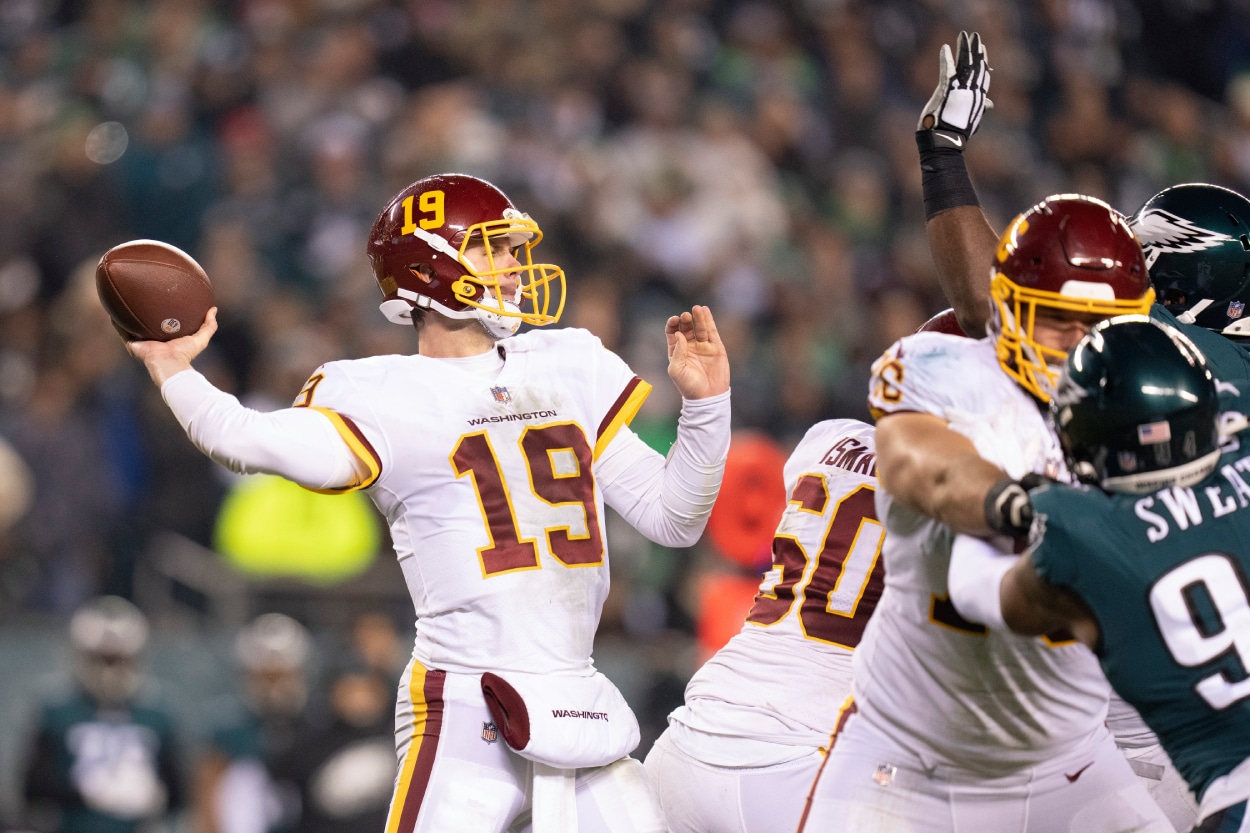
[(499, 326), (1190, 315), (496, 325)]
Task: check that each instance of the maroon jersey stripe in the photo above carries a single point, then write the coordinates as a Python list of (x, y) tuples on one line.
[(618, 404), (432, 692), (364, 441)]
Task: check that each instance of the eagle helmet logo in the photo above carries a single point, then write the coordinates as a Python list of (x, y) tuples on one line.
[(1162, 232)]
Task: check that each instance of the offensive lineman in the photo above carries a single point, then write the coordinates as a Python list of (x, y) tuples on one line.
[(1147, 564), (953, 729), (492, 456), (741, 754)]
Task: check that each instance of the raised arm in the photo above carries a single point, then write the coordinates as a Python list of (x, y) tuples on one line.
[(961, 239), (962, 243), (668, 499)]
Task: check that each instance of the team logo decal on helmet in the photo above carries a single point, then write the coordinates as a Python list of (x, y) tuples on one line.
[(1196, 238), (1163, 232)]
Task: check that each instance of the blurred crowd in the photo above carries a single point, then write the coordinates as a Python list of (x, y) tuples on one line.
[(756, 156), (295, 743)]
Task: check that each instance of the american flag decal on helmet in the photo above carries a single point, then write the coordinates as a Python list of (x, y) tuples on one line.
[(1154, 432), (501, 394)]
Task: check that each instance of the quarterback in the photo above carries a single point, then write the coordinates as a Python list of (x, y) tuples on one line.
[(491, 455), (953, 728), (1147, 563)]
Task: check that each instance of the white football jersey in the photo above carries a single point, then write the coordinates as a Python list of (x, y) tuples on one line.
[(490, 492), (953, 691), (784, 676)]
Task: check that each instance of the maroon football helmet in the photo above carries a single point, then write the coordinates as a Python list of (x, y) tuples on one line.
[(418, 243), (1070, 253), (944, 322)]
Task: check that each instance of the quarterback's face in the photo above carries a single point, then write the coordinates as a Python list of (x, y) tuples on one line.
[(1062, 329), (500, 257)]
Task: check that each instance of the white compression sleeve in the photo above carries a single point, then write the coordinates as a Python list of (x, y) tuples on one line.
[(669, 499), (299, 444), (974, 579)]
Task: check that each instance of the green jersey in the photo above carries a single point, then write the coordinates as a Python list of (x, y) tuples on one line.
[(1229, 361), (1167, 576)]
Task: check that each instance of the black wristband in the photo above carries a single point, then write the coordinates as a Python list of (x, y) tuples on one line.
[(943, 177)]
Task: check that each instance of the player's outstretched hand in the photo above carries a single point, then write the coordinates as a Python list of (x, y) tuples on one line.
[(955, 108), (165, 358), (697, 362)]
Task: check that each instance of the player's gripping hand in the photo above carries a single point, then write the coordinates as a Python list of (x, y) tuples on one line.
[(955, 108), (1008, 509), (165, 358), (697, 361)]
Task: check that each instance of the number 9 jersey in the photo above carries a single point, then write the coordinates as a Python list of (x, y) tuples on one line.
[(1166, 575), (488, 486)]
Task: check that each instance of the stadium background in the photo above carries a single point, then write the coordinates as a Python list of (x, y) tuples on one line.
[(756, 156)]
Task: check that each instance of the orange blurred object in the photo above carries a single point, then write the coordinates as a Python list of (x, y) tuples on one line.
[(724, 600), (752, 498)]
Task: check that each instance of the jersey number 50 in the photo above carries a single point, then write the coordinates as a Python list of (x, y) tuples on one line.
[(842, 588)]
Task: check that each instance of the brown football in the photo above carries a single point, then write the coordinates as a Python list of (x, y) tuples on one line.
[(153, 291)]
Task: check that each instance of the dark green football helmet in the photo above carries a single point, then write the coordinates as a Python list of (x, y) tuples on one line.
[(1196, 239), (1136, 408)]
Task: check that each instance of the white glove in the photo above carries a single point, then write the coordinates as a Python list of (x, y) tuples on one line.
[(954, 110)]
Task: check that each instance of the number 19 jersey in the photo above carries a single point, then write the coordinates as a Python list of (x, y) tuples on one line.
[(489, 490), (784, 676)]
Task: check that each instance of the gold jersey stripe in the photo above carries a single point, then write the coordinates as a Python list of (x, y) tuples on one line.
[(622, 412), (360, 446), (425, 692)]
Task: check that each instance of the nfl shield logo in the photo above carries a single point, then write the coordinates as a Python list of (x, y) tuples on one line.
[(490, 732), (1236, 308), (501, 394)]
